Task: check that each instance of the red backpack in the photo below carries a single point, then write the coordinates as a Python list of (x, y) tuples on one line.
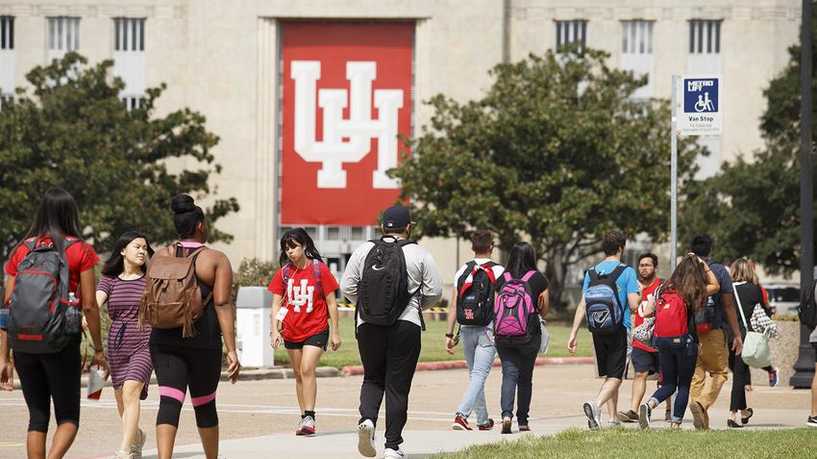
[(671, 318)]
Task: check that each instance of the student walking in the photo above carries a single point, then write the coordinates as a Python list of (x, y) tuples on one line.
[(48, 359), (303, 303), (675, 335), (643, 356), (188, 353), (472, 307), (749, 294), (608, 289), (522, 298), (390, 280), (122, 286), (711, 320)]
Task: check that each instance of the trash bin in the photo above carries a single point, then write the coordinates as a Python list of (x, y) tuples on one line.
[(253, 308)]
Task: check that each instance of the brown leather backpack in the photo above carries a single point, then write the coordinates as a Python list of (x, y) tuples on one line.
[(172, 297)]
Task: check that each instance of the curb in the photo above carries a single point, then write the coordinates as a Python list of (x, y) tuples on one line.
[(354, 370), (247, 375)]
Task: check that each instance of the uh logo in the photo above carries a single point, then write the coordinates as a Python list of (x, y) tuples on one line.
[(345, 140), (300, 295)]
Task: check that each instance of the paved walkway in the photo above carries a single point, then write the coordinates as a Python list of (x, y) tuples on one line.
[(257, 418)]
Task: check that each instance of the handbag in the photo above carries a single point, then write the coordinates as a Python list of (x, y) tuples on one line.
[(761, 322), (643, 332), (545, 344), (755, 352)]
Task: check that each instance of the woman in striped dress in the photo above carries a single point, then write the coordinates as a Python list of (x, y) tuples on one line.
[(121, 286)]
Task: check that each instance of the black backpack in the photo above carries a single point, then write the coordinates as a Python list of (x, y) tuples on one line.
[(41, 318), (475, 301), (383, 290), (808, 308)]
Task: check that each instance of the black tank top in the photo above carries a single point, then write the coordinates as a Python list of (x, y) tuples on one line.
[(208, 330)]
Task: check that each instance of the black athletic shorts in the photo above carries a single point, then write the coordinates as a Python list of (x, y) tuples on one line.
[(611, 353), (644, 362), (320, 340)]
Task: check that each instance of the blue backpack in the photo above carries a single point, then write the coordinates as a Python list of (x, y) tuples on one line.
[(604, 312)]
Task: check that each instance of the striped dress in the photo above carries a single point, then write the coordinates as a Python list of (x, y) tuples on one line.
[(128, 350)]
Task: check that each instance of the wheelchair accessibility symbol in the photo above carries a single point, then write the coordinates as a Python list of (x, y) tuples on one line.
[(704, 103)]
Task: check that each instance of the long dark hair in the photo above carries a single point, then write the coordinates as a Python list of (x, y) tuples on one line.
[(298, 236), (186, 215), (57, 216), (689, 281), (116, 262), (521, 260)]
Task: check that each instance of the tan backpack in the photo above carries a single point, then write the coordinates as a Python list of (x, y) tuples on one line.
[(172, 297)]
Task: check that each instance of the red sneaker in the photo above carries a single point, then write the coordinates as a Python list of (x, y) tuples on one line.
[(460, 423), (487, 426), (307, 427)]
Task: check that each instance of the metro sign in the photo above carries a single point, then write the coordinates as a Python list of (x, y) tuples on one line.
[(346, 104), (359, 128)]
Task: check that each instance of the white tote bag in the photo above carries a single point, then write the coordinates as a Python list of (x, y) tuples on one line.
[(756, 351), (545, 344)]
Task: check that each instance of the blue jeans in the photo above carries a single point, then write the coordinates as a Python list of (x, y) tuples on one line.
[(478, 344), (677, 363)]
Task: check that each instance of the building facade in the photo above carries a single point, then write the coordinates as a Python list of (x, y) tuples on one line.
[(309, 97)]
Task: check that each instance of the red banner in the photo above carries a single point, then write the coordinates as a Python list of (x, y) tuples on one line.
[(347, 98)]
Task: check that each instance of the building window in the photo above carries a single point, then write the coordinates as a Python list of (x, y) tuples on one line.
[(636, 37), (358, 233), (129, 34), (332, 233), (571, 33), (704, 36), (133, 102), (63, 33), (6, 32)]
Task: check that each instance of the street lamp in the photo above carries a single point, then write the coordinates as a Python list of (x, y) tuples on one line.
[(804, 367)]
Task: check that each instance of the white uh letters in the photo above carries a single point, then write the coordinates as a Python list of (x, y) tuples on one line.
[(359, 129), (298, 296)]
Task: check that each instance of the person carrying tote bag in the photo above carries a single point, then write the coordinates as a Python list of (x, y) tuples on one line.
[(755, 352)]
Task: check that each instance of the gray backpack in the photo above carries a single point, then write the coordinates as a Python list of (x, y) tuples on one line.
[(41, 320)]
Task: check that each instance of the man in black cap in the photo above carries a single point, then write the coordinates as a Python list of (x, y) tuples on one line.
[(390, 281)]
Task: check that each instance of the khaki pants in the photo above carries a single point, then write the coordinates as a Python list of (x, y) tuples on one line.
[(713, 358)]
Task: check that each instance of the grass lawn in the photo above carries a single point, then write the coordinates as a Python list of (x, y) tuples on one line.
[(433, 345), (787, 443)]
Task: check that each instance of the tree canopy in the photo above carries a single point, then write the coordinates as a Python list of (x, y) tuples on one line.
[(557, 152), (70, 129)]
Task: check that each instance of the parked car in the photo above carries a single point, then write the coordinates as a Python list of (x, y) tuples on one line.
[(783, 298)]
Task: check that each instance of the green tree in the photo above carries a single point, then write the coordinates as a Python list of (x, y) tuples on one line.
[(70, 129), (556, 152), (752, 206)]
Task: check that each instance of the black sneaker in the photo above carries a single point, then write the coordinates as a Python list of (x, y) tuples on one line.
[(506, 425), (628, 416), (644, 414), (812, 421)]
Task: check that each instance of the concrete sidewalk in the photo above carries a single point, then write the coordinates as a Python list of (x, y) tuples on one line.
[(424, 443)]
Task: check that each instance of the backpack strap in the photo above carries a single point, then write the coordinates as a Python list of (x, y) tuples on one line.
[(316, 273), (528, 275), (489, 270), (468, 271), (616, 273)]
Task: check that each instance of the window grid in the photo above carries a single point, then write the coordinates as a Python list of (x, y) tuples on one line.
[(63, 33), (637, 37), (129, 34), (705, 36), (133, 102), (7, 32), (571, 32)]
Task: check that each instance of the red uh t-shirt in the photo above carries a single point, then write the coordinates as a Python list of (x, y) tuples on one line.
[(638, 320), (80, 256), (307, 313)]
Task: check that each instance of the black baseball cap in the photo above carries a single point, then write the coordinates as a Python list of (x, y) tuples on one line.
[(396, 217)]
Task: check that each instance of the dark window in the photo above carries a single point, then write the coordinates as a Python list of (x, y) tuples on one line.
[(571, 32), (129, 34), (704, 36), (6, 32)]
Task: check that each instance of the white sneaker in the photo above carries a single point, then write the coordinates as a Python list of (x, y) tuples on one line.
[(123, 455), (138, 444), (365, 439), (394, 454), (593, 415)]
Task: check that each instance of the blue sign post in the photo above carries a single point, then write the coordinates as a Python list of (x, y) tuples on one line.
[(700, 102)]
